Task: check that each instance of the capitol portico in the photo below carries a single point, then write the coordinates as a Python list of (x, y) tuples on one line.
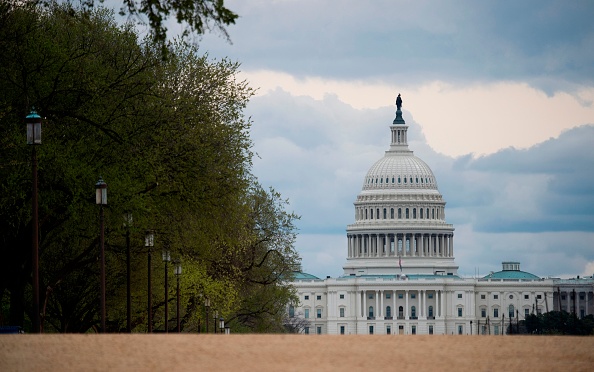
[(400, 275)]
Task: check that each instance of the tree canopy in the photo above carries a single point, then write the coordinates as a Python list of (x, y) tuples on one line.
[(170, 139), (198, 16)]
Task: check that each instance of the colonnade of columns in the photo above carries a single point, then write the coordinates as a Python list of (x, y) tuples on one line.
[(572, 302), (401, 244), (380, 302)]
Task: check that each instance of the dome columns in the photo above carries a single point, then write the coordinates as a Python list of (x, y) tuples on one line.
[(414, 244)]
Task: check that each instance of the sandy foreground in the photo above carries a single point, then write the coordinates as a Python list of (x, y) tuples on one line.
[(141, 352)]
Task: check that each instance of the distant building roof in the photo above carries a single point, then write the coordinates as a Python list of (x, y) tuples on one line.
[(511, 270), (297, 275)]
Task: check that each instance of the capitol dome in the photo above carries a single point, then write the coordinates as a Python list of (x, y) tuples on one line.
[(400, 221), (398, 170)]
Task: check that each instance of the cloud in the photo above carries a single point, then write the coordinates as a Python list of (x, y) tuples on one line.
[(546, 43)]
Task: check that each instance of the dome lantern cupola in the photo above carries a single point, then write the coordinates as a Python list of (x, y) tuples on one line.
[(399, 130)]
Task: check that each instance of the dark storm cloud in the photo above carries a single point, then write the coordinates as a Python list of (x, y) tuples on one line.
[(548, 43), (562, 172)]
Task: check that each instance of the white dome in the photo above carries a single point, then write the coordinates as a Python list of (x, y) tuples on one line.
[(399, 170)]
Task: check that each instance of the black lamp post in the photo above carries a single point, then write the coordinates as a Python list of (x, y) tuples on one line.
[(215, 317), (34, 138), (206, 307), (101, 200), (222, 325), (166, 259), (149, 242), (128, 223), (177, 272)]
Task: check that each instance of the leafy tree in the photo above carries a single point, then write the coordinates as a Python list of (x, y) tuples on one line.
[(559, 323), (170, 139), (199, 16)]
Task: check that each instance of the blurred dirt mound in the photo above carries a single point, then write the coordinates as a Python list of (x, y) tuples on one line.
[(185, 352)]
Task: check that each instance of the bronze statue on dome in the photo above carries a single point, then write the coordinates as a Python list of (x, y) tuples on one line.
[(398, 102)]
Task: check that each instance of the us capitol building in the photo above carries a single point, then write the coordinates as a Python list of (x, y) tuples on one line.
[(400, 275)]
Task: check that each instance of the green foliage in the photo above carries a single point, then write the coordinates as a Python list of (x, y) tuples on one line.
[(559, 323), (198, 16), (170, 139)]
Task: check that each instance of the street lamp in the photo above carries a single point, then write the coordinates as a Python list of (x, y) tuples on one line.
[(222, 325), (227, 330), (34, 138), (101, 200), (215, 317), (206, 307), (149, 243), (128, 224), (177, 271), (166, 259)]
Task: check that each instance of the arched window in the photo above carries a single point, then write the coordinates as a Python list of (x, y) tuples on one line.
[(407, 215), (414, 212), (511, 311), (427, 213), (399, 213), (385, 214), (371, 311), (400, 311), (392, 213), (365, 213), (430, 312), (371, 211), (413, 312), (404, 179), (433, 213), (421, 211), (291, 311), (377, 214), (398, 179), (388, 312)]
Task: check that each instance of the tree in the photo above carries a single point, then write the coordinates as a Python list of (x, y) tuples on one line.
[(559, 323), (198, 15), (170, 139)]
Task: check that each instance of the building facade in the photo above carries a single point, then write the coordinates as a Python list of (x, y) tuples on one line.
[(400, 276)]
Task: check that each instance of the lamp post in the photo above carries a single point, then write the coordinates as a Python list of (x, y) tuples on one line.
[(149, 243), (34, 138), (215, 316), (227, 330), (206, 307), (222, 325), (166, 259), (101, 200), (128, 223), (177, 272)]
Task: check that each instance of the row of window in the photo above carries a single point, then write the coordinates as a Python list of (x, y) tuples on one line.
[(388, 296), (400, 295), (413, 312), (406, 213), (511, 297), (511, 311), (406, 180)]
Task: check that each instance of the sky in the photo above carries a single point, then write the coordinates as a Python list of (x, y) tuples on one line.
[(498, 96)]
